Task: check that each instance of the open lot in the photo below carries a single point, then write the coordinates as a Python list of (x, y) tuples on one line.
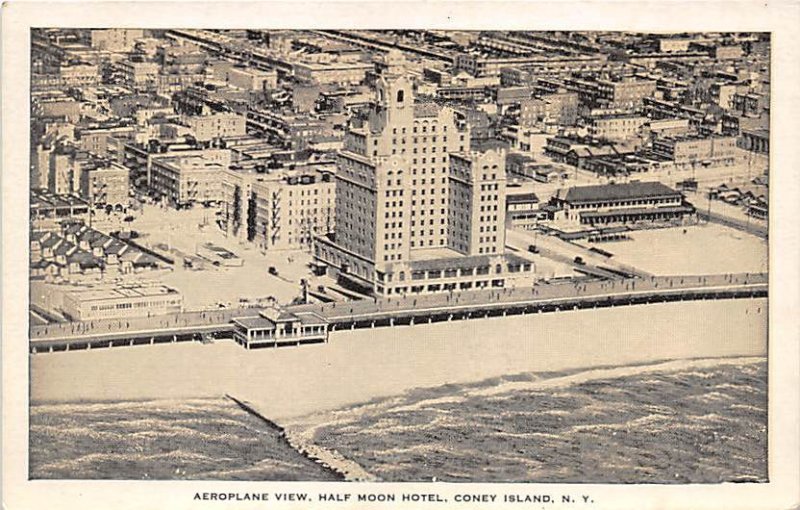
[(181, 232), (702, 249)]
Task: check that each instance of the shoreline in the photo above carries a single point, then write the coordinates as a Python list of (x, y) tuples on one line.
[(357, 366)]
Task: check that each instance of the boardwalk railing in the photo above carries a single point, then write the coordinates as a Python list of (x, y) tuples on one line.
[(403, 310)]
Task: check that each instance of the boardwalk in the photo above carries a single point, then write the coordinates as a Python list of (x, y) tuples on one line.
[(566, 291), (567, 294)]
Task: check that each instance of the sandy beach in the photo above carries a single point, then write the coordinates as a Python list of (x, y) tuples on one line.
[(356, 366)]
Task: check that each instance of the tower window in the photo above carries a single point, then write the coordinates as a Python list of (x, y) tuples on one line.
[(400, 96)]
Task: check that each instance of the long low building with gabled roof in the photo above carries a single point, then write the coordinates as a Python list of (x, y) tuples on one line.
[(631, 202)]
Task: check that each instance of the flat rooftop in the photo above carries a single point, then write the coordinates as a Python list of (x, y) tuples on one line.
[(108, 293), (466, 262), (433, 254)]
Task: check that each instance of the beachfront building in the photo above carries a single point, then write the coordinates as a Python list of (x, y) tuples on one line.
[(276, 328), (278, 209), (522, 210), (120, 302), (476, 212), (625, 203), (410, 193)]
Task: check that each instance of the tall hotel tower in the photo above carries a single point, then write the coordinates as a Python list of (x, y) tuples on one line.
[(416, 210)]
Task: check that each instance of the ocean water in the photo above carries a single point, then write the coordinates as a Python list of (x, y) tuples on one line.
[(690, 422), (695, 421), (202, 439)]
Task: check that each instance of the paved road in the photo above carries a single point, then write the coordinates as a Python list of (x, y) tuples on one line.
[(562, 251)]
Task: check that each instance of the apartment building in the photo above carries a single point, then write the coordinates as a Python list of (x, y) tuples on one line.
[(278, 209), (557, 108), (79, 75), (139, 76), (624, 94), (116, 39), (616, 128), (342, 72), (184, 180), (250, 78), (688, 151), (218, 125), (106, 185)]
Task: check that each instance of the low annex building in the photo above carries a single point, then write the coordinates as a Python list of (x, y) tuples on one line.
[(121, 302), (624, 203)]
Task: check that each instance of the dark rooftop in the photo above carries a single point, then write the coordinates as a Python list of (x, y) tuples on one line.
[(623, 191), (522, 198)]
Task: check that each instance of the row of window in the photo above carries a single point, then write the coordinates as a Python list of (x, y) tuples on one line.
[(432, 181), (617, 203), (424, 151), (422, 191), (424, 129), (139, 304), (416, 140)]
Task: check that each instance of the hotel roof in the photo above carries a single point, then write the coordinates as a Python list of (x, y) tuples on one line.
[(465, 262)]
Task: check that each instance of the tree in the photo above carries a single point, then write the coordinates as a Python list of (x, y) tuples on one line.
[(251, 217), (237, 203)]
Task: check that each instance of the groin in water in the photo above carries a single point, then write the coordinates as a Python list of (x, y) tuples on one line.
[(334, 462)]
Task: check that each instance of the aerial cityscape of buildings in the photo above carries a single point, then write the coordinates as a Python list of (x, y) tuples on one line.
[(326, 166)]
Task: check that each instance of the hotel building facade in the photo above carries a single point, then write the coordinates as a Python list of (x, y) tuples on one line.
[(411, 194)]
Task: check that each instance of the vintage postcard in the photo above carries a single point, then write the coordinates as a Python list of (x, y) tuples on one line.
[(375, 255)]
